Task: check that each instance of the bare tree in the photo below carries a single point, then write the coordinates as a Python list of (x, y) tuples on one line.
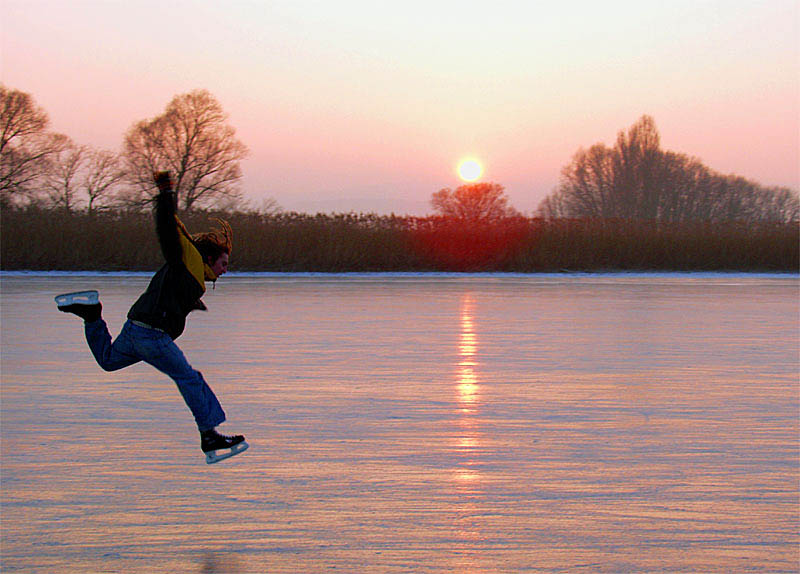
[(192, 140), (61, 181), (25, 146), (473, 202), (783, 204), (104, 172), (591, 183), (637, 171), (552, 207)]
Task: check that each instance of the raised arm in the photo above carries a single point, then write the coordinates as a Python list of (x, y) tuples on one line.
[(166, 226)]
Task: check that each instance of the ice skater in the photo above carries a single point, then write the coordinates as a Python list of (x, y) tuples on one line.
[(158, 317)]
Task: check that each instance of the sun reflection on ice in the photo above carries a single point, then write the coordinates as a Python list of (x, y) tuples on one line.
[(467, 438), (467, 348)]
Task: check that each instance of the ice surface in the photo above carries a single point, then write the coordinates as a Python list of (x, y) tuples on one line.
[(413, 423)]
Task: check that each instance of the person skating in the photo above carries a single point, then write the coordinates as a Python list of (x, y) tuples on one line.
[(158, 317)]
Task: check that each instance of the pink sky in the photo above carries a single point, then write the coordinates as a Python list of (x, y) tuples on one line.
[(368, 106)]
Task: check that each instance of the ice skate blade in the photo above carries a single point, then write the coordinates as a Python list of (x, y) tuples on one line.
[(214, 456), (78, 297)]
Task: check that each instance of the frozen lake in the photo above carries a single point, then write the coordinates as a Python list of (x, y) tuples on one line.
[(413, 423)]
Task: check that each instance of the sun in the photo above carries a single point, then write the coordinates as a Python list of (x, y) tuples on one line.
[(470, 169)]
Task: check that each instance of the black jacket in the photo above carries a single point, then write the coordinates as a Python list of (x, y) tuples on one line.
[(175, 290)]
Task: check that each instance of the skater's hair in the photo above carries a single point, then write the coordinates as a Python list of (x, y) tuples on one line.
[(214, 243)]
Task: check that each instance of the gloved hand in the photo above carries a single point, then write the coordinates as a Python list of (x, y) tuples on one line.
[(164, 181)]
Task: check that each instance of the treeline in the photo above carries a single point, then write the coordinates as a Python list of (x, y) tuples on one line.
[(636, 179), (33, 238)]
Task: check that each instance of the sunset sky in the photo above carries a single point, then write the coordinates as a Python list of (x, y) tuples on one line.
[(371, 105)]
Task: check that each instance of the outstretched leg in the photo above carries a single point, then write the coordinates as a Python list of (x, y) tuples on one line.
[(86, 305), (110, 356), (159, 350)]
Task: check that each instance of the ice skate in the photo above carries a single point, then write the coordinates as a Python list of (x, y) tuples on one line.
[(84, 304), (219, 447)]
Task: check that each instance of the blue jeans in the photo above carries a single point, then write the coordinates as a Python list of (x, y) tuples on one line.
[(136, 343)]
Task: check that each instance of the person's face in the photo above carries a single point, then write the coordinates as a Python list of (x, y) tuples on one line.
[(220, 266)]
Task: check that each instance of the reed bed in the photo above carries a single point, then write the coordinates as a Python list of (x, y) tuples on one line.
[(39, 239)]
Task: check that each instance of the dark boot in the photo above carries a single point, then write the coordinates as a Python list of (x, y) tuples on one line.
[(84, 304), (89, 313), (212, 442)]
